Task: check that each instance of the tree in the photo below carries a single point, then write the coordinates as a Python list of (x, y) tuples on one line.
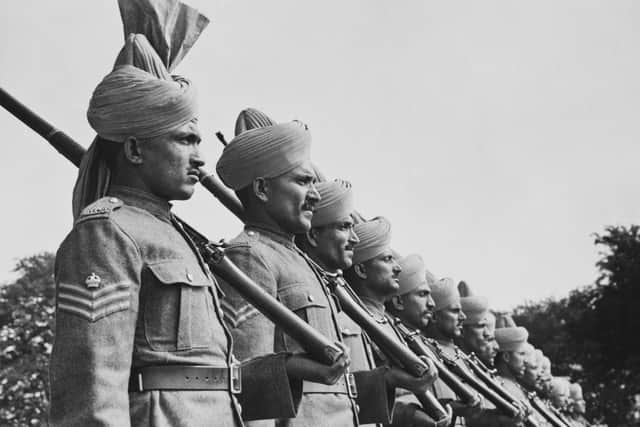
[(592, 334), (26, 336)]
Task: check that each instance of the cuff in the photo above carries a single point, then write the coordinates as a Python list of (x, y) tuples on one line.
[(267, 391), (375, 399)]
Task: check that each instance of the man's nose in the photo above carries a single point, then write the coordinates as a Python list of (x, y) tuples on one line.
[(431, 304), (313, 194), (353, 237), (197, 158), (462, 316)]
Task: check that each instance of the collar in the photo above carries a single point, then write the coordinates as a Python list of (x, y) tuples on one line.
[(143, 200), (375, 306), (279, 236)]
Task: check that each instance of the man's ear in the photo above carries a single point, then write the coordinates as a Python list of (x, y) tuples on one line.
[(397, 303), (312, 237), (133, 151), (360, 271), (506, 356), (261, 189)]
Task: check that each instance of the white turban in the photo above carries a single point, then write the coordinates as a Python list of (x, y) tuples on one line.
[(132, 102), (413, 273), (445, 293), (375, 238), (336, 202), (265, 152)]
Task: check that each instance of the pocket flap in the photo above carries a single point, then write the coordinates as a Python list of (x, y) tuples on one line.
[(179, 271), (300, 296)]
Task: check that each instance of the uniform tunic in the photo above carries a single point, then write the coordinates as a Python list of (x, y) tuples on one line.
[(272, 260), (519, 393), (132, 292), (406, 404)]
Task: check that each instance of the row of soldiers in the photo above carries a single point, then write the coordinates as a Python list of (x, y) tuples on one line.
[(147, 334)]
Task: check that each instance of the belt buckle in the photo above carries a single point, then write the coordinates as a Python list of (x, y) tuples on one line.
[(140, 383), (352, 389), (235, 378)]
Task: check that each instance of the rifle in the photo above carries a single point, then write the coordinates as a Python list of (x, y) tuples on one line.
[(465, 390), (546, 411), (408, 360), (314, 343)]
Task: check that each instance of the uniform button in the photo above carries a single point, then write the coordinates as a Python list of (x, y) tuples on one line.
[(310, 298), (190, 277), (346, 331), (113, 200), (251, 233)]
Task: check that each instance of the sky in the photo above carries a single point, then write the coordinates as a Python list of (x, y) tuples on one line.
[(496, 136)]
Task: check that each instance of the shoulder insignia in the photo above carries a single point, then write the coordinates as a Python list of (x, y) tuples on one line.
[(236, 316), (93, 299), (101, 208)]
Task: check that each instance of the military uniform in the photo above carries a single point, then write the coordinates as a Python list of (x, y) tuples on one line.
[(406, 404), (271, 259), (133, 296)]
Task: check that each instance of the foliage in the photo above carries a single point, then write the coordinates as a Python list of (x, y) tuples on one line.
[(26, 337), (591, 335)]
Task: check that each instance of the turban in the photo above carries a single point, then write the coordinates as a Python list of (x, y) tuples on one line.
[(138, 98), (132, 102), (444, 293), (546, 364), (491, 322), (559, 387), (505, 320), (375, 238), (473, 306), (250, 118), (336, 202), (431, 278), (412, 274), (265, 152), (511, 338), (530, 355), (575, 391)]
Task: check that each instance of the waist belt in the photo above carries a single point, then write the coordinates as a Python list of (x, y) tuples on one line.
[(185, 377), (345, 385)]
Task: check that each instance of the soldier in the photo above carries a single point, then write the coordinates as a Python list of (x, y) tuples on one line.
[(510, 361), (445, 328), (269, 168), (139, 336), (330, 243), (559, 393), (577, 408), (375, 277), (489, 349), (475, 328), (531, 376)]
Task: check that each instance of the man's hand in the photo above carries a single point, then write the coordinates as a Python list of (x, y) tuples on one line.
[(301, 367), (421, 419), (396, 377)]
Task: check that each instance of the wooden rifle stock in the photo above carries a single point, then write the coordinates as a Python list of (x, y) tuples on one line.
[(314, 343), (408, 360), (545, 411), (416, 344), (485, 374), (505, 406)]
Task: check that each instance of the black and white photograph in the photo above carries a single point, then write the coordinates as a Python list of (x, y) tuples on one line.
[(320, 214)]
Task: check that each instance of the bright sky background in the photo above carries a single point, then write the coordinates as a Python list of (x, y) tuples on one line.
[(497, 136)]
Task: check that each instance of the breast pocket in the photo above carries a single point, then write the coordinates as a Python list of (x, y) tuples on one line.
[(178, 306), (311, 305)]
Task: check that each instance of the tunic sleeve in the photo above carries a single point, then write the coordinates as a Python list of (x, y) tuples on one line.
[(97, 280)]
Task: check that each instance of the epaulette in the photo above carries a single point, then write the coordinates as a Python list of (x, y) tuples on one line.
[(101, 208)]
